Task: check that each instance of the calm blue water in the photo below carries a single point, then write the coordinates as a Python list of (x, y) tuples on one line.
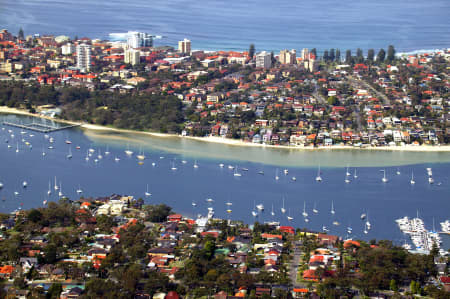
[(217, 24), (383, 202)]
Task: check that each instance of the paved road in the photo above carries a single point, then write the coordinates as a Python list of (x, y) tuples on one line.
[(366, 85), (293, 267)]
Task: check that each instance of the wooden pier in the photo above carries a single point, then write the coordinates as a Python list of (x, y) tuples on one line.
[(41, 128)]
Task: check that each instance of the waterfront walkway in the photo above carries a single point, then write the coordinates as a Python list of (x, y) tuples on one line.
[(38, 127)]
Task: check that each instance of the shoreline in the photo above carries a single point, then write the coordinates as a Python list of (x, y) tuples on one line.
[(233, 142)]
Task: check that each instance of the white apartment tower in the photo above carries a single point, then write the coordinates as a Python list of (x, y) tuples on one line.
[(67, 49), (263, 60), (288, 57), (83, 57), (305, 54), (132, 56), (184, 46), (139, 39)]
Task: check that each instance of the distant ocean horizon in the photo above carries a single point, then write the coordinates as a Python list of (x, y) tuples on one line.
[(409, 25)]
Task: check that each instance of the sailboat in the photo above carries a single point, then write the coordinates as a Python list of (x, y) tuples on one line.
[(289, 216), (276, 175), (56, 184), (368, 224), (315, 211), (332, 208), (412, 178), (69, 155), (128, 151), (173, 166), (261, 171), (347, 173), (236, 173), (117, 159), (141, 155), (354, 175), (398, 171), (195, 164), (304, 210), (229, 203), (87, 156), (221, 165), (254, 213), (260, 207), (49, 191), (283, 210), (147, 193), (60, 194), (107, 152), (318, 177), (99, 156), (363, 216), (24, 184), (17, 148), (1, 185), (349, 230), (194, 204), (430, 180), (272, 213), (43, 152), (365, 229), (79, 190), (384, 179)]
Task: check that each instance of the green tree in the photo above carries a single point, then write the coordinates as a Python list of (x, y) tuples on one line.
[(208, 250), (393, 285), (333, 101), (34, 215), (158, 213), (19, 282), (381, 55), (390, 53), (251, 51), (54, 291), (105, 223), (370, 55), (50, 254)]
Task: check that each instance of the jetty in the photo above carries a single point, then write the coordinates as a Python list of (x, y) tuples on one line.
[(39, 127)]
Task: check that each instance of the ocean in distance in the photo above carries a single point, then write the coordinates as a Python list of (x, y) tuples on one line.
[(383, 202), (232, 25)]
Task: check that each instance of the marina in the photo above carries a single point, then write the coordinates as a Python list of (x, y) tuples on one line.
[(423, 239), (39, 127)]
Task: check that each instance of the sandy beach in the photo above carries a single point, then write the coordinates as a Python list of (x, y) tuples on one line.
[(235, 142)]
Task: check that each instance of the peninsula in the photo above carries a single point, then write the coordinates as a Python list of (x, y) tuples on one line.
[(307, 101)]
